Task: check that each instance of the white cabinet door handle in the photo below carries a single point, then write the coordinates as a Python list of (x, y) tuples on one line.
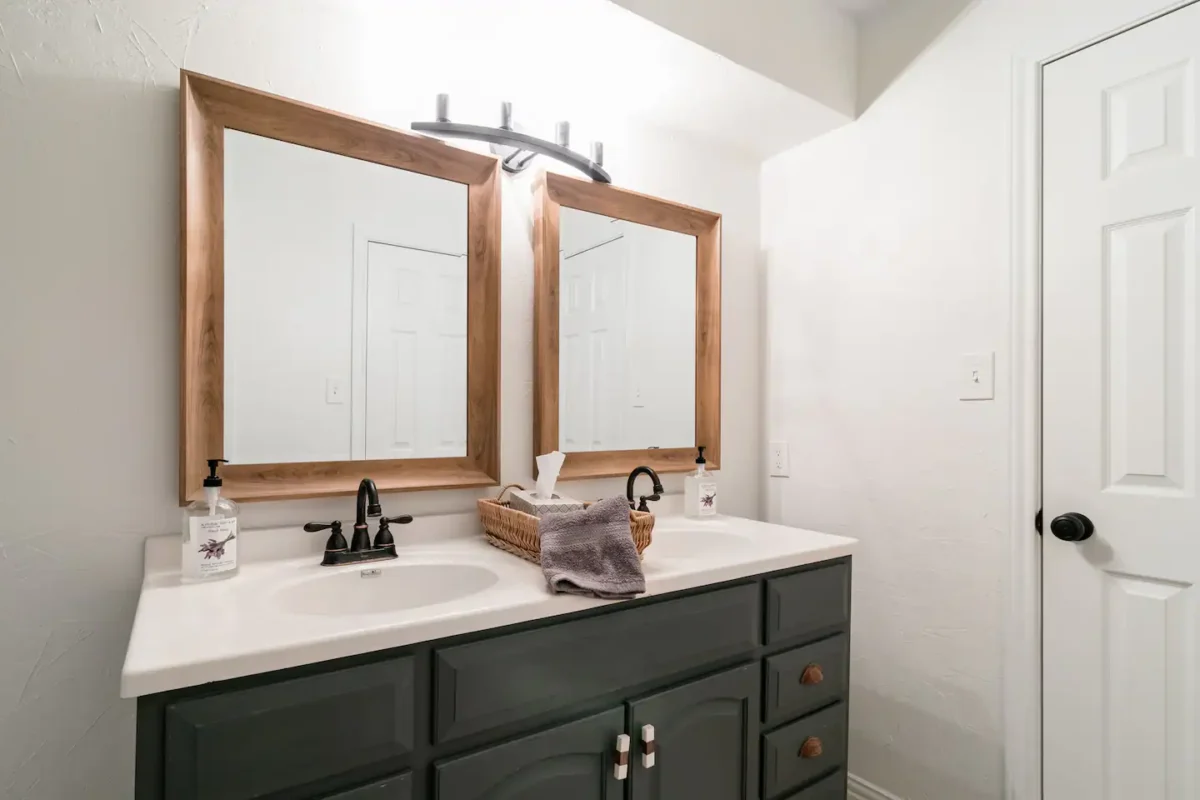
[(621, 763), (648, 746)]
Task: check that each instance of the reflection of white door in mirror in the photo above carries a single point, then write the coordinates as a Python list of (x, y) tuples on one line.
[(627, 328), (415, 376), (592, 329), (341, 273)]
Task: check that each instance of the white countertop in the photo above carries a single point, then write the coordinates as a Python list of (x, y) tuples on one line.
[(189, 634)]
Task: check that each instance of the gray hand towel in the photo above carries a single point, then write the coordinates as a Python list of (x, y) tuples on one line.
[(591, 552)]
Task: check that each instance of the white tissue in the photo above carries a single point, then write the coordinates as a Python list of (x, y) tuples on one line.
[(548, 466)]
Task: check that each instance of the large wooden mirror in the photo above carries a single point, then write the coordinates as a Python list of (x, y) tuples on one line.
[(627, 326), (340, 301)]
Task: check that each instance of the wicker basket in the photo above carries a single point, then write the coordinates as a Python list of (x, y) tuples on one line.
[(517, 532)]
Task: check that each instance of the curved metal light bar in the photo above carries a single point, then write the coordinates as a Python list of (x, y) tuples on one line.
[(523, 146)]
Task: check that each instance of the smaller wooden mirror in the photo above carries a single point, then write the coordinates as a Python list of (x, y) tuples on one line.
[(340, 301), (627, 329)]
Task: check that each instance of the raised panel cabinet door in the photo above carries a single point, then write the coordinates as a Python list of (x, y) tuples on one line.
[(571, 762), (280, 737), (705, 739), (1121, 401)]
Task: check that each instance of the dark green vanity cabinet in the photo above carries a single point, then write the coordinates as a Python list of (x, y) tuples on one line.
[(744, 685)]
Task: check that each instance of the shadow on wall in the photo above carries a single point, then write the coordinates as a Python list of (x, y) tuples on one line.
[(970, 769), (88, 298), (888, 42)]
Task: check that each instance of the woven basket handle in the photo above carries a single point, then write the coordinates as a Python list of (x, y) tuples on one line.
[(500, 496)]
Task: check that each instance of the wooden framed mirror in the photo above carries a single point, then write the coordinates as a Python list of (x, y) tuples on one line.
[(627, 329), (340, 301)]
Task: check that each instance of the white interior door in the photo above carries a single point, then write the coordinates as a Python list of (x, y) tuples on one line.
[(416, 353), (592, 366), (1121, 353)]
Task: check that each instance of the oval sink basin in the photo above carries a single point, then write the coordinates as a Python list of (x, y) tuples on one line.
[(676, 543), (397, 587)]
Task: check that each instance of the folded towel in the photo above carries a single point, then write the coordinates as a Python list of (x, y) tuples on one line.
[(591, 552)]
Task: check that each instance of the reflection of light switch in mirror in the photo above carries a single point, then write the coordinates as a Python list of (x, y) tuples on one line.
[(374, 253), (335, 393), (977, 376)]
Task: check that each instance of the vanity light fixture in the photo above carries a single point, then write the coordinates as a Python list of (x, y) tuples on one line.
[(517, 148)]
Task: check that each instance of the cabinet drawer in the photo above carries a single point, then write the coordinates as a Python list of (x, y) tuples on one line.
[(806, 678), (786, 765), (267, 739), (808, 602), (831, 788), (397, 787), (486, 684)]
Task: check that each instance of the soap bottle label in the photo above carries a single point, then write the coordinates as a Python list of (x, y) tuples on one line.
[(708, 499), (212, 547)]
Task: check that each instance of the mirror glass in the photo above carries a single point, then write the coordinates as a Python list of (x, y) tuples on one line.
[(345, 308), (627, 328)]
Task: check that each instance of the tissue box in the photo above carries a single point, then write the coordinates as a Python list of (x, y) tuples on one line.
[(531, 503)]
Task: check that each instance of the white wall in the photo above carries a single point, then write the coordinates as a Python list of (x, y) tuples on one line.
[(89, 313), (889, 256), (291, 218)]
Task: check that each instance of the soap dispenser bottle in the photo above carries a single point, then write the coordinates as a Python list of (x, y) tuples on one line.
[(210, 529), (700, 490)]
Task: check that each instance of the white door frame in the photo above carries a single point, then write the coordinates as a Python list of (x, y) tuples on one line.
[(1023, 613)]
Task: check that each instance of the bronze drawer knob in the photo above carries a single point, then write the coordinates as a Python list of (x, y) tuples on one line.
[(811, 748), (812, 675)]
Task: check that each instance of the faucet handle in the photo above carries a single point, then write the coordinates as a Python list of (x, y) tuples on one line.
[(335, 541), (653, 498), (384, 537)]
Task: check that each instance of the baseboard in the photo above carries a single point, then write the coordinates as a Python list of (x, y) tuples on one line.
[(863, 790)]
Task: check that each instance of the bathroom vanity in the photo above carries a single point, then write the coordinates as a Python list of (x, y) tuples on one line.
[(729, 679), (450, 672)]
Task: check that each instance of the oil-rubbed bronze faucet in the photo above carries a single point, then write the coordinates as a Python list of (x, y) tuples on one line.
[(360, 548), (367, 505), (658, 488)]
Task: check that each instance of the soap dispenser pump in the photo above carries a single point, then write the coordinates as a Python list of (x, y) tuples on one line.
[(700, 490), (210, 530)]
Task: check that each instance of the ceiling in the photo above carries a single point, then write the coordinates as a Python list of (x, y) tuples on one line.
[(862, 8)]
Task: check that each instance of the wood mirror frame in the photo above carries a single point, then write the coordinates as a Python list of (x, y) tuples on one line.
[(207, 108), (553, 191)]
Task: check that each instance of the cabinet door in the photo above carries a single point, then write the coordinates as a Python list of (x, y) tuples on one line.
[(706, 739), (276, 738), (573, 761)]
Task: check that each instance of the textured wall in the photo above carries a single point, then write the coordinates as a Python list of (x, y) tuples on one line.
[(89, 294), (888, 257)]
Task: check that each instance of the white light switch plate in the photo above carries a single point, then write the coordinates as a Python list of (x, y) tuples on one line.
[(977, 377), (335, 393), (779, 459)]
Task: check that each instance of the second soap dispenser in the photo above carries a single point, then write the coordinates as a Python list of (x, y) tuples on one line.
[(700, 490)]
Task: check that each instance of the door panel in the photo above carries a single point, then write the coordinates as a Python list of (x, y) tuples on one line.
[(571, 761), (1121, 352), (706, 735), (593, 330), (416, 353)]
